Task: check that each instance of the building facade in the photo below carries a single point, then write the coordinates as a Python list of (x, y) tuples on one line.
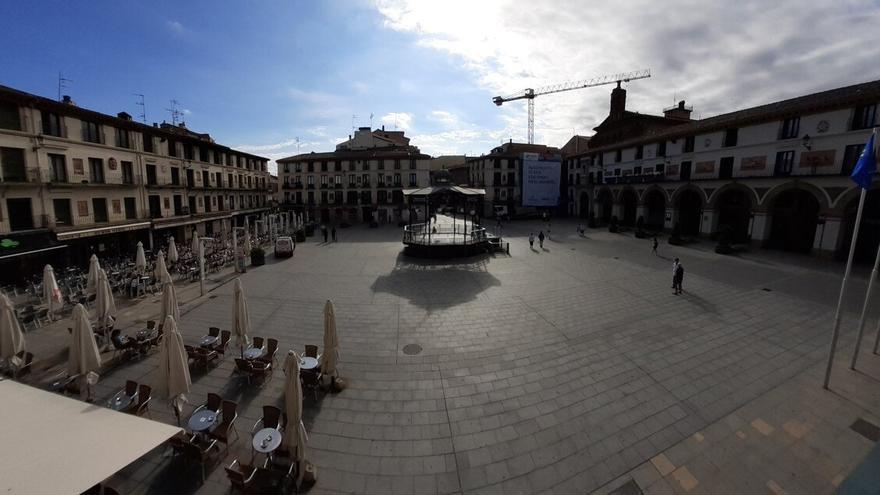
[(774, 176), (77, 182), (500, 174), (361, 181)]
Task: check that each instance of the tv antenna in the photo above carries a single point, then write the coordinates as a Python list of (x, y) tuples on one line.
[(297, 145), (371, 120), (175, 113), (140, 103), (62, 84), (353, 118)]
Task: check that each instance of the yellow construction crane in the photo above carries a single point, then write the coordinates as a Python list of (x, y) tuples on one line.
[(530, 93)]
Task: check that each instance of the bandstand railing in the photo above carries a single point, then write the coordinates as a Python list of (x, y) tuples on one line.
[(432, 234)]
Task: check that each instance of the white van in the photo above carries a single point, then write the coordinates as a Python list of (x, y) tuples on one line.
[(284, 247)]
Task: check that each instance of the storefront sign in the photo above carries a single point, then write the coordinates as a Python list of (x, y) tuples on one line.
[(704, 167), (78, 234), (821, 158), (753, 163), (672, 170)]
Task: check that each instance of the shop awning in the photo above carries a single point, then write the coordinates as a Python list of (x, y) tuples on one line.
[(110, 229), (15, 245), (55, 444)]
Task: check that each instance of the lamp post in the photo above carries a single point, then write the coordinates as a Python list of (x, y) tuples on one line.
[(202, 263)]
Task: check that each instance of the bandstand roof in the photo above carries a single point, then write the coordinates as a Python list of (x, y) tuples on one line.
[(431, 190)]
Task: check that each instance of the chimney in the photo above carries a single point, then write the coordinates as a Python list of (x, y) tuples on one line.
[(67, 101), (618, 102), (124, 116), (383, 127), (678, 112)]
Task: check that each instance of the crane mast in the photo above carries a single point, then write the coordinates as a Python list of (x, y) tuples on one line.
[(530, 93)]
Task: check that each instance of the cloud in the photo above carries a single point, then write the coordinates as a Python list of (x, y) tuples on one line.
[(443, 117), (320, 104), (175, 27), (360, 87), (718, 55), (397, 120)]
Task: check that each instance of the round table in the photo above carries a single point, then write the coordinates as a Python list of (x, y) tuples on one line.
[(254, 352), (202, 420), (308, 363), (266, 440), (143, 334), (209, 340), (121, 401)]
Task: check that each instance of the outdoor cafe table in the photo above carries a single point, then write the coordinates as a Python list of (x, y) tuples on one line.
[(267, 440), (121, 401), (254, 353), (208, 340), (308, 363), (202, 421)]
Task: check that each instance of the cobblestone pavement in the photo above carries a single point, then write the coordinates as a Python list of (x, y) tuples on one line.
[(572, 369)]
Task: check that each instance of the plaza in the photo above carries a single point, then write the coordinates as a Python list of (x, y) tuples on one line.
[(571, 369)]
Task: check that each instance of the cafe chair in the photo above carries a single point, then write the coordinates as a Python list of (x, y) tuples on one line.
[(271, 349), (204, 356), (214, 403), (311, 380), (272, 418), (221, 431), (241, 476), (223, 346), (23, 368), (257, 343), (213, 331), (312, 351), (199, 454), (131, 388), (145, 393)]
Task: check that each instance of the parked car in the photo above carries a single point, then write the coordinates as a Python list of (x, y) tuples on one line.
[(284, 247)]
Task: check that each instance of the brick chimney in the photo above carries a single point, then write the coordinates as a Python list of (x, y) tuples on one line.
[(618, 102), (678, 112)]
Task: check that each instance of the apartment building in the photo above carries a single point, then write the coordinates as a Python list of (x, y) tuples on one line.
[(77, 182), (361, 181), (775, 175)]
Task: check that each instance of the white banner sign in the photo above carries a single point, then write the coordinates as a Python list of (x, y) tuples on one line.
[(540, 183)]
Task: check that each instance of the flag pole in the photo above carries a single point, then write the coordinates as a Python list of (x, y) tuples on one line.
[(855, 356), (835, 332)]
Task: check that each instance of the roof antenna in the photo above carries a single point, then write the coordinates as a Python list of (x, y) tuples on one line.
[(353, 117), (62, 84), (175, 113), (140, 103)]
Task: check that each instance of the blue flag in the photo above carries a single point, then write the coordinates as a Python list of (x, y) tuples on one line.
[(866, 166)]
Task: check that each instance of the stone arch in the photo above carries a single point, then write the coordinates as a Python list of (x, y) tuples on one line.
[(690, 202), (629, 204), (654, 201), (733, 210), (654, 187), (869, 231), (817, 193), (794, 213), (604, 204), (688, 187), (750, 193)]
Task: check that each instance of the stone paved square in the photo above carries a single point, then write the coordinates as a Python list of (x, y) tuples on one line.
[(571, 369)]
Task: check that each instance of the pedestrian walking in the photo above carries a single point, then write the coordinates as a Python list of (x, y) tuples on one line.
[(677, 278), (654, 247), (333, 233), (541, 239), (531, 240), (581, 229), (674, 269), (324, 232)]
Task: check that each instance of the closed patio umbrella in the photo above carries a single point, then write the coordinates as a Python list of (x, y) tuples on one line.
[(173, 380), (295, 436), (51, 293), (330, 357), (105, 306), (84, 358), (140, 259), (161, 269), (169, 302), (11, 337), (195, 244), (172, 251), (241, 320), (92, 280)]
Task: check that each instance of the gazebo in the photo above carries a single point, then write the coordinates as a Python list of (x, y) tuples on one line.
[(449, 223)]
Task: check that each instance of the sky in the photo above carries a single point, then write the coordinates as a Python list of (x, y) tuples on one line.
[(277, 78)]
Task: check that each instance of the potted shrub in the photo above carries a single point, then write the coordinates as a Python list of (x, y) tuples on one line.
[(612, 224), (258, 256)]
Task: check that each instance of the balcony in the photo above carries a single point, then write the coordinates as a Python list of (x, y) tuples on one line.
[(21, 176)]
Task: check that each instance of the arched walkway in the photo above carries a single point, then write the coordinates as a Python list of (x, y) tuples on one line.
[(655, 209), (629, 204), (793, 216), (869, 232), (584, 211), (690, 211), (733, 208), (606, 204)]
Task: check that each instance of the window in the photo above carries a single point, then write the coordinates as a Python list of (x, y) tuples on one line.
[(351, 180), (337, 166), (412, 164), (725, 168), (203, 154), (187, 151), (323, 197), (851, 156), (496, 163), (380, 165), (122, 140), (730, 137), (397, 164), (127, 172), (206, 178), (310, 167), (617, 172), (366, 165), (172, 148), (175, 176), (660, 168), (311, 180), (91, 132), (689, 144), (323, 166), (864, 117), (151, 175), (9, 116), (511, 163), (62, 212), (178, 204), (412, 179), (130, 209), (637, 170), (51, 123), (218, 158), (20, 213), (784, 162), (396, 179), (323, 181), (790, 128), (618, 155), (58, 168), (219, 179), (351, 167), (381, 196), (99, 209), (229, 180), (661, 148), (380, 180), (96, 170), (640, 152), (338, 180), (148, 143), (366, 181), (311, 197)]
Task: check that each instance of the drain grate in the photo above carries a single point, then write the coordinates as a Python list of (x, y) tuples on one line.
[(767, 290), (213, 296), (412, 349), (866, 429), (628, 488)]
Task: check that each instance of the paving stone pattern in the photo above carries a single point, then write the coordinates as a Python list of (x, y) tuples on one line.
[(571, 369)]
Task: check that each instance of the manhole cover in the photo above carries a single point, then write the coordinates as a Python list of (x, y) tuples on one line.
[(866, 429), (412, 349)]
